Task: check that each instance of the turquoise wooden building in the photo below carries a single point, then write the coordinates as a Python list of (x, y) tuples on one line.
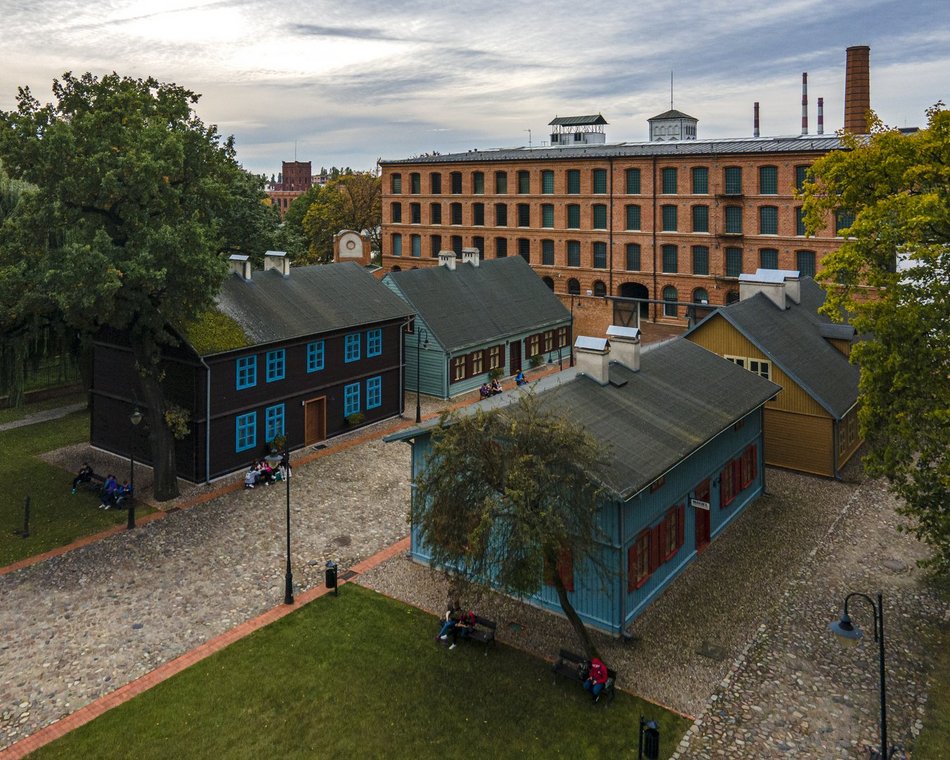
[(683, 432), (475, 316)]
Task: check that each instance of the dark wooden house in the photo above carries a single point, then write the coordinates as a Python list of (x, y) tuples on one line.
[(304, 354)]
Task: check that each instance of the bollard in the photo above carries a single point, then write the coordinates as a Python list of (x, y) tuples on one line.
[(649, 740), (331, 577)]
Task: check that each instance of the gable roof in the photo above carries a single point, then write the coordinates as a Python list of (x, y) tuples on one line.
[(475, 305), (311, 300), (672, 114), (649, 421), (577, 121), (794, 340)]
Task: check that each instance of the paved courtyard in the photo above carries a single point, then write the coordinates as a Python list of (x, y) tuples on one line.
[(739, 641)]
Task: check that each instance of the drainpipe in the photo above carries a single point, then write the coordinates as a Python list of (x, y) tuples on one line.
[(654, 241), (610, 233), (621, 575), (207, 419)]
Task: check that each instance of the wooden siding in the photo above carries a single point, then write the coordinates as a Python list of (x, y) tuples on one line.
[(605, 603), (799, 442), (432, 363)]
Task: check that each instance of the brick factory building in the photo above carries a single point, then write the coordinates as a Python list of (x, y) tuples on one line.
[(673, 221), (295, 179)]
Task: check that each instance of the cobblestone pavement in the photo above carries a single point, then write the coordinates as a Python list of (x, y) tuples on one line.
[(76, 627)]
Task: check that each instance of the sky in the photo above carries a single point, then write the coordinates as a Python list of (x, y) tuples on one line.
[(347, 83)]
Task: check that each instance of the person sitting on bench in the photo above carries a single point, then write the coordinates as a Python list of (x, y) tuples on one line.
[(84, 476), (484, 391), (456, 623), (250, 477), (107, 494), (495, 387), (120, 494), (596, 678), (520, 378)]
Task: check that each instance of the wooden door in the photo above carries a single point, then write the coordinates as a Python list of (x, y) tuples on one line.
[(702, 528), (515, 351), (315, 420)]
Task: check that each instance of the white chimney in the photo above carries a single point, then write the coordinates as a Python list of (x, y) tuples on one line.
[(447, 259), (592, 358), (240, 265), (625, 346), (776, 284), (470, 256), (277, 260)]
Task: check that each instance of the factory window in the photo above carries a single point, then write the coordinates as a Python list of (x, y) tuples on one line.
[(733, 262), (669, 180), (733, 180), (501, 214), (600, 255), (435, 183), (435, 245), (670, 297), (633, 181), (547, 252), (415, 183), (670, 259), (600, 289), (416, 245), (768, 220), (669, 218), (573, 287), (455, 213), (395, 213), (633, 217), (768, 258), (573, 253), (734, 220), (573, 181), (799, 221), (478, 214), (435, 213), (600, 216), (547, 215), (768, 180), (573, 217), (547, 181), (801, 175), (805, 263), (397, 245), (524, 214), (524, 249), (501, 248), (633, 257), (478, 183), (456, 181), (395, 183), (600, 181), (700, 218), (843, 220), (501, 183), (700, 259), (700, 180), (415, 213), (524, 182)]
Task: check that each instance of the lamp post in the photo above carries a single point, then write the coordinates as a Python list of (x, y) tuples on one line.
[(135, 418), (421, 343), (274, 459), (850, 634)]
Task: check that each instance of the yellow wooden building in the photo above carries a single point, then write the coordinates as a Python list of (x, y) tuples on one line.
[(775, 330)]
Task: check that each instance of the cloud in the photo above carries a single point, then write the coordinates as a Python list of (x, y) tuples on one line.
[(354, 33)]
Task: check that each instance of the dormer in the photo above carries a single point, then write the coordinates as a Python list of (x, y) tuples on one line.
[(672, 125), (577, 130)]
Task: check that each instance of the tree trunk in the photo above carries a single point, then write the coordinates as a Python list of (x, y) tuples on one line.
[(165, 470), (579, 628)]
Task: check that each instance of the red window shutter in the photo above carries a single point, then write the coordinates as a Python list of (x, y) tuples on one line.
[(632, 568), (681, 527), (663, 537), (736, 476), (755, 468), (654, 548)]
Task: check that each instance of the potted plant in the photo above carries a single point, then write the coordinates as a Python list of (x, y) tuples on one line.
[(355, 419), (536, 360), (278, 444)]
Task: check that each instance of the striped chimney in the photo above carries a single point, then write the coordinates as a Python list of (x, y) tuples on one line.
[(857, 89), (755, 119), (821, 116), (804, 102)]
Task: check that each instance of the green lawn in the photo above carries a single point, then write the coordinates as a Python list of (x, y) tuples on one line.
[(56, 516), (360, 675), (11, 415), (934, 740)]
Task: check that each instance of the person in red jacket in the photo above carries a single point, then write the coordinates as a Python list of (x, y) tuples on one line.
[(596, 678)]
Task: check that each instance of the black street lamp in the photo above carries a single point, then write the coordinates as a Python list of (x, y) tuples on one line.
[(274, 460), (421, 343), (135, 418), (850, 634)]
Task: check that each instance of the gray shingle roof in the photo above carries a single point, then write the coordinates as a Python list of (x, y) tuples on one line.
[(477, 305), (673, 114), (313, 299), (793, 340), (682, 397), (750, 145), (577, 121)]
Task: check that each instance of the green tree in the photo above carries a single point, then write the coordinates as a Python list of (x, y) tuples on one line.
[(898, 188), (127, 226), (349, 202), (507, 495)]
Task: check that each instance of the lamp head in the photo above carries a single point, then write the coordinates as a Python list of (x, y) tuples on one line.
[(845, 630), (136, 417), (274, 458)]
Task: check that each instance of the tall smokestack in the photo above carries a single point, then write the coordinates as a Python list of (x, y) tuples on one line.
[(755, 120), (821, 116), (804, 102), (857, 89)]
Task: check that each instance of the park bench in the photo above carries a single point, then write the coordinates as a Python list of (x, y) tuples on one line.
[(575, 667), (95, 482), (482, 631)]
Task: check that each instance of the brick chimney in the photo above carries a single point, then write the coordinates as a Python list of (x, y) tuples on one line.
[(625, 346), (775, 284), (447, 259), (857, 89), (592, 358), (240, 265), (277, 260)]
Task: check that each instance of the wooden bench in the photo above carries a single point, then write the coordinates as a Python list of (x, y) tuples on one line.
[(95, 482), (575, 667), (483, 631)]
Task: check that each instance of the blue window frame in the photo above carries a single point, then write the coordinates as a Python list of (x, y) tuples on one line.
[(276, 365), (374, 342), (351, 399), (374, 392), (273, 422), (351, 348), (245, 431), (315, 354), (246, 372)]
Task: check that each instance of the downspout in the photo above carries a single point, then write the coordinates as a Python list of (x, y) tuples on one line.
[(834, 449), (610, 233), (207, 419), (653, 222), (621, 575)]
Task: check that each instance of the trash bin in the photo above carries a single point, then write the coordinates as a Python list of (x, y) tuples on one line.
[(331, 575)]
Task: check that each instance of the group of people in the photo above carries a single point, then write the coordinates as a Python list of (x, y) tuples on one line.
[(261, 473), (455, 623), (490, 390), (113, 494)]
